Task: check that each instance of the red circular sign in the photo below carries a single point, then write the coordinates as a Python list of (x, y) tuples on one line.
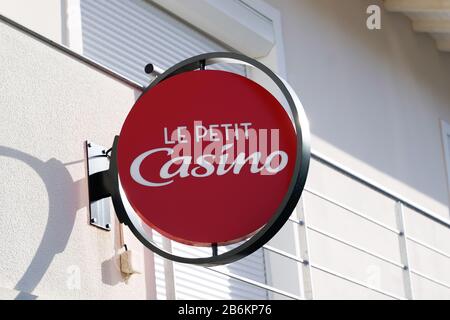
[(206, 157)]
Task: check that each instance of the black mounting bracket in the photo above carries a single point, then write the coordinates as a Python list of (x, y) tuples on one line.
[(98, 184)]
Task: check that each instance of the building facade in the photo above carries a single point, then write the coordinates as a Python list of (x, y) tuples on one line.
[(373, 221)]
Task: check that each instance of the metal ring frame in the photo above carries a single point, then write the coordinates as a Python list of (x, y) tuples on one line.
[(289, 201)]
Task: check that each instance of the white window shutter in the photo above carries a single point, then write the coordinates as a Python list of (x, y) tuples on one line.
[(127, 35)]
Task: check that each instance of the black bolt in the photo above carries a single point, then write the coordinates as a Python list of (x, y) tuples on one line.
[(89, 145), (107, 226), (93, 220), (104, 151), (401, 234), (149, 68), (305, 262)]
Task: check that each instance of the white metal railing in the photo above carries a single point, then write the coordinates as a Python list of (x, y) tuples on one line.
[(382, 190), (352, 211), (302, 254), (400, 231)]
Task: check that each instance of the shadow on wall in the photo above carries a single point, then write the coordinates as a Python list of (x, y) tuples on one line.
[(110, 276), (64, 196)]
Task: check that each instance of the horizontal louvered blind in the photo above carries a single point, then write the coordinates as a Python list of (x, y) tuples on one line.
[(127, 35), (192, 282)]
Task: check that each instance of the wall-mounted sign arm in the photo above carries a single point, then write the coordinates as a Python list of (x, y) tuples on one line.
[(98, 186)]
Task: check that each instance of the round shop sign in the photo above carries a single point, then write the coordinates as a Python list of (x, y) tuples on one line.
[(210, 157)]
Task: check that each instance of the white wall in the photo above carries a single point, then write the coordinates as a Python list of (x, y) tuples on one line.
[(374, 98), (43, 16), (50, 104)]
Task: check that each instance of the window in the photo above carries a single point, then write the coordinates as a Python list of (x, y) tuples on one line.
[(127, 35)]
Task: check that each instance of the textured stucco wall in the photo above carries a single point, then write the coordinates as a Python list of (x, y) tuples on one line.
[(43, 16), (49, 105)]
